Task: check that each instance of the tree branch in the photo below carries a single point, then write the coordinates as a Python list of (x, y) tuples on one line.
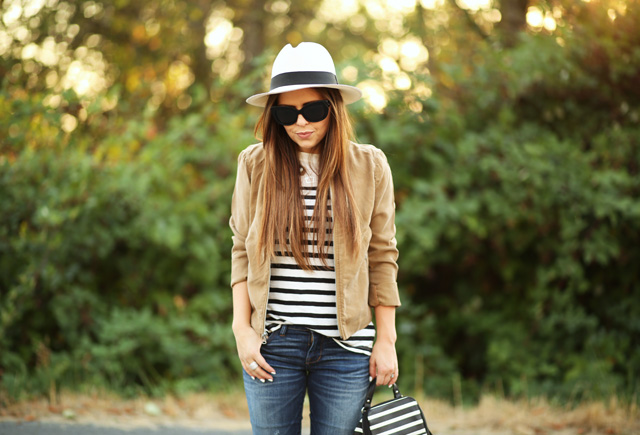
[(472, 23)]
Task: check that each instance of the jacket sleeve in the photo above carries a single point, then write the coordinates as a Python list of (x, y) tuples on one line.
[(239, 221), (383, 251)]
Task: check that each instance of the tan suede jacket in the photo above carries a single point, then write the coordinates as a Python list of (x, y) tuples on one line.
[(364, 281)]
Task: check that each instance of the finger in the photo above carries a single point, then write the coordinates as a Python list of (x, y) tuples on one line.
[(246, 365), (383, 379), (262, 375), (249, 371), (263, 372), (373, 371), (386, 378), (262, 363), (258, 374), (393, 378)]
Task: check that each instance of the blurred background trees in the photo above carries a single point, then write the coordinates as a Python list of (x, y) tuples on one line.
[(512, 128)]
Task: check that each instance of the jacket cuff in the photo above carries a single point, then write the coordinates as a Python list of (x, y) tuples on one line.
[(239, 268), (386, 295)]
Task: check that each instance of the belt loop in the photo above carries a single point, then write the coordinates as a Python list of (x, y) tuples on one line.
[(283, 330)]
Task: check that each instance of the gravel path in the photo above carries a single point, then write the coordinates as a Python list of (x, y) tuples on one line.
[(40, 428)]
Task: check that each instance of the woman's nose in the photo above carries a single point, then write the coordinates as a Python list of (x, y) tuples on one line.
[(301, 120)]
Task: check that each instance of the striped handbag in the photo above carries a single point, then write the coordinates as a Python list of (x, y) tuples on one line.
[(399, 416)]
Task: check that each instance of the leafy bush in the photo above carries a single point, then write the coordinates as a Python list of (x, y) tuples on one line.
[(121, 265), (518, 219)]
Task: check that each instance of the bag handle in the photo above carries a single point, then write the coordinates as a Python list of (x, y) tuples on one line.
[(371, 390), (366, 428)]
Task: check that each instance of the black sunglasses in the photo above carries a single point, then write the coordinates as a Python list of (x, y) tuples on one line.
[(314, 111)]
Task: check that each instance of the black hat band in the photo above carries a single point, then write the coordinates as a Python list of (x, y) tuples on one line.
[(304, 78)]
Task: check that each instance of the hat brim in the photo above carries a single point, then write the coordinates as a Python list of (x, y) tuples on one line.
[(350, 94)]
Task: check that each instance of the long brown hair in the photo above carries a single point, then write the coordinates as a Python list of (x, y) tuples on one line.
[(284, 217)]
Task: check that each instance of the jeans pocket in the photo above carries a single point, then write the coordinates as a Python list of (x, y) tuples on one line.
[(275, 335)]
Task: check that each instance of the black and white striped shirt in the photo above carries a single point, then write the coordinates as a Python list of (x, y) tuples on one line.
[(308, 298)]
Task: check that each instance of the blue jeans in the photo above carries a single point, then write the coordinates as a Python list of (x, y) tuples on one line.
[(337, 381)]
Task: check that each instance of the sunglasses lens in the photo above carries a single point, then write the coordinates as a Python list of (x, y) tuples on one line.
[(285, 115), (312, 112), (315, 111)]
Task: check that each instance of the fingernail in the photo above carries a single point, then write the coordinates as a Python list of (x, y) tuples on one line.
[(253, 378), (270, 380), (273, 373), (262, 380), (370, 378)]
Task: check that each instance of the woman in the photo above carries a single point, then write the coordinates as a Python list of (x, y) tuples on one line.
[(314, 251)]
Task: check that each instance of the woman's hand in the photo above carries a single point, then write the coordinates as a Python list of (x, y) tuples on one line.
[(383, 363), (248, 343)]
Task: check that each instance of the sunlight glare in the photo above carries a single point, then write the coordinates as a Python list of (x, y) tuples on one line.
[(492, 15), (358, 23), (388, 65), (32, 7), (78, 78), (413, 53), (91, 9), (410, 49), (402, 82), (68, 122), (431, 4), (48, 53), (179, 77), (84, 78), (216, 39), (402, 6), (389, 47), (5, 42), (474, 5), (422, 91), (350, 73), (374, 95), (376, 10), (549, 23), (333, 11), (12, 13), (30, 51), (535, 17), (279, 7)]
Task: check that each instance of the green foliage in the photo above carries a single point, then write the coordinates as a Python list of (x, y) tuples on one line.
[(518, 223), (122, 266), (518, 216)]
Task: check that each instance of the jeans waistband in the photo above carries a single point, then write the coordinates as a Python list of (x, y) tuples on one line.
[(282, 331)]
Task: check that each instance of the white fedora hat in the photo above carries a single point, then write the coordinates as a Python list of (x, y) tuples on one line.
[(309, 65)]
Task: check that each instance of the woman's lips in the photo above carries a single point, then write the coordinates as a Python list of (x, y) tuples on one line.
[(304, 134)]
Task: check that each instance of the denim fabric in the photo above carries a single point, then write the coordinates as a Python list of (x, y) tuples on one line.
[(335, 378)]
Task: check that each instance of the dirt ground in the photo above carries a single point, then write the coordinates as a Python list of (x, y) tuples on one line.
[(229, 412)]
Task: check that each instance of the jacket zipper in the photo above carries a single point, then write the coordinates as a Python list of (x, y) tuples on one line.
[(265, 334)]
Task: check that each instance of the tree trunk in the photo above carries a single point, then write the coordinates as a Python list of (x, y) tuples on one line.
[(514, 20), (252, 22), (201, 64)]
